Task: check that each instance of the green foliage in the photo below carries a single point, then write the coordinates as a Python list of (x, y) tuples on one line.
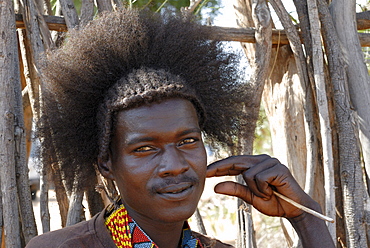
[(210, 7), (262, 139), (156, 5)]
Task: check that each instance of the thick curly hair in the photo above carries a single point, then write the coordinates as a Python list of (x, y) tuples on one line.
[(126, 59)]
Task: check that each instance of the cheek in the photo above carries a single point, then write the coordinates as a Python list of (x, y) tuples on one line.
[(199, 161), (132, 173)]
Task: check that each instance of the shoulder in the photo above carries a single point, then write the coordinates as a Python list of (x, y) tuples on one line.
[(89, 234), (62, 237), (209, 242)]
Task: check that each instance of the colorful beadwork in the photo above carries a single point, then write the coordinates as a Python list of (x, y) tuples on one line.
[(117, 223), (127, 234)]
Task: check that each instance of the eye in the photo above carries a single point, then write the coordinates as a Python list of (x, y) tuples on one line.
[(187, 141), (144, 149)]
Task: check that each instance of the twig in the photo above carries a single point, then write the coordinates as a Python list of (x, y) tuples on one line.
[(306, 209), (200, 223), (192, 6)]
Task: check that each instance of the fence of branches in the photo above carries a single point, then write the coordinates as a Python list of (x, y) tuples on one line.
[(31, 27)]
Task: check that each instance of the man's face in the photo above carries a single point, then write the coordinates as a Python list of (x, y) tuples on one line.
[(158, 160)]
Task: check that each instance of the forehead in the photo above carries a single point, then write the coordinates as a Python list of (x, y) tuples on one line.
[(169, 114)]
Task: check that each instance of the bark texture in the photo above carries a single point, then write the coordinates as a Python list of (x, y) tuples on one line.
[(323, 107), (344, 17), (315, 107), (259, 59), (349, 150), (9, 77)]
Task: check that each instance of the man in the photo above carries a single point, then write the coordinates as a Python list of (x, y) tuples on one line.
[(133, 94)]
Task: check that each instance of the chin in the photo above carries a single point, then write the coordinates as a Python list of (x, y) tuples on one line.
[(177, 215)]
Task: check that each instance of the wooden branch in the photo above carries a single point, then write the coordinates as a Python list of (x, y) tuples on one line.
[(363, 20), (348, 145), (75, 209), (9, 76), (323, 108), (57, 23), (104, 5), (2, 238), (44, 199), (303, 208), (192, 6), (70, 13), (200, 223), (61, 194), (87, 12), (245, 35), (308, 99)]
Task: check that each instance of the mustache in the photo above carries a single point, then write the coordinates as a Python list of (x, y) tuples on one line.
[(174, 180)]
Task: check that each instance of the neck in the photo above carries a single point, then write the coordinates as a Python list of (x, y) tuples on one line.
[(164, 235)]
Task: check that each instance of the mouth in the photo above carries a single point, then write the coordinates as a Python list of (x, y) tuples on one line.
[(176, 192)]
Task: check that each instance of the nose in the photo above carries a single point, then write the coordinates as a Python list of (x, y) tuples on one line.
[(172, 162)]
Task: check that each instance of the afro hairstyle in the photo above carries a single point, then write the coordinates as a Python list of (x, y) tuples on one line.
[(127, 59)]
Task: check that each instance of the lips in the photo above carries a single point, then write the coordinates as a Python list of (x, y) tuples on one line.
[(176, 192)]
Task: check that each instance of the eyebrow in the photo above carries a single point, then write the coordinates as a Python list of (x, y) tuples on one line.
[(139, 140), (191, 130), (148, 139)]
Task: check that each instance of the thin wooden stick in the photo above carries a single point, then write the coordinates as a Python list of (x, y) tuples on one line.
[(306, 209)]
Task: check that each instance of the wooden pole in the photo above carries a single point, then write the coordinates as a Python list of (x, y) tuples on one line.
[(70, 13), (9, 76), (60, 192), (358, 74), (259, 56), (75, 210), (323, 107), (349, 150), (2, 244), (29, 228)]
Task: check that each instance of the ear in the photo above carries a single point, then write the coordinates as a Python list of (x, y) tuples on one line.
[(105, 168)]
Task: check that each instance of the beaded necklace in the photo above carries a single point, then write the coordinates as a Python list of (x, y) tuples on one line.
[(127, 234), (117, 224)]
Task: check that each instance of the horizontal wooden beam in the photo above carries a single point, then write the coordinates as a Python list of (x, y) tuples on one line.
[(57, 23), (363, 20), (244, 35)]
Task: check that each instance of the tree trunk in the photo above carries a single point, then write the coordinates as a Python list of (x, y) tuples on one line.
[(44, 199), (60, 193), (94, 199), (21, 169), (70, 13), (349, 150), (323, 107), (27, 110), (37, 40), (104, 5), (259, 60), (290, 106), (75, 210), (344, 17), (9, 77), (87, 11), (2, 244), (309, 105), (282, 99)]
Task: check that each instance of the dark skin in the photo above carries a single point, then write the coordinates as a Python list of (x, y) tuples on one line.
[(262, 175), (159, 163)]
